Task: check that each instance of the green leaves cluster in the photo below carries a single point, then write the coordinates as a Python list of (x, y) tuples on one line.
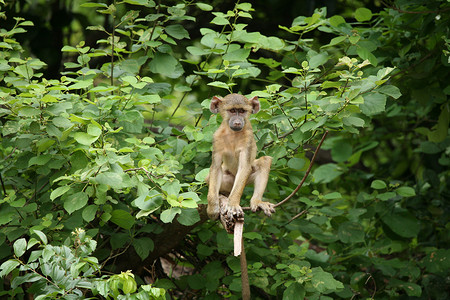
[(68, 271)]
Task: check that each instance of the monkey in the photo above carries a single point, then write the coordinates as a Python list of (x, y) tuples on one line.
[(234, 164)]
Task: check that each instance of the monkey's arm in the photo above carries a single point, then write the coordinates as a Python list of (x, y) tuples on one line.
[(259, 178), (233, 208), (215, 180)]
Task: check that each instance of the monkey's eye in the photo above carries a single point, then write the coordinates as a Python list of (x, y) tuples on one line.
[(241, 110), (233, 110)]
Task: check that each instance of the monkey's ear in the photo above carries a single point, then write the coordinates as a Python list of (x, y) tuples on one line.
[(214, 105), (255, 104)]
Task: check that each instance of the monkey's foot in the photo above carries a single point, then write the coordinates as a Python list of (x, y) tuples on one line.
[(267, 207), (227, 217)]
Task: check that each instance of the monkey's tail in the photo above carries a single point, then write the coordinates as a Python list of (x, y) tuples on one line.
[(244, 275)]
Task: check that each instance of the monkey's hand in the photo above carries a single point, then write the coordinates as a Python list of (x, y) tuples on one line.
[(267, 207), (232, 211)]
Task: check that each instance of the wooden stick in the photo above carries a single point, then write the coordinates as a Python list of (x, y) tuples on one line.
[(238, 229)]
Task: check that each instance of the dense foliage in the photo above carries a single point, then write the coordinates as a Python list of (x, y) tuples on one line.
[(103, 168)]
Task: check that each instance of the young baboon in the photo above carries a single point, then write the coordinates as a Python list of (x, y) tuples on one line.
[(234, 163)]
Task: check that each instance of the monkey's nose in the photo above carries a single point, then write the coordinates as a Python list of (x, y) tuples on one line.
[(237, 126)]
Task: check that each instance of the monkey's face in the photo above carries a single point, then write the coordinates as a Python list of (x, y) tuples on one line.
[(235, 109), (237, 117)]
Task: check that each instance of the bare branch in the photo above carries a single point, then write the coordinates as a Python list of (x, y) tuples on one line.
[(307, 172)]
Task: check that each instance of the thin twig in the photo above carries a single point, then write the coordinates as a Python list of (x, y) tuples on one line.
[(3, 185), (374, 285), (147, 173), (298, 215), (307, 171), (304, 177)]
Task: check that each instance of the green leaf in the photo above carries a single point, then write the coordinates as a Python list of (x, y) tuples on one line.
[(363, 14), (318, 60), (112, 179), (122, 218), (89, 212), (364, 53), (439, 132), (20, 246), (8, 266), (168, 215), (84, 138), (323, 282), (75, 202), (378, 184), (49, 99), (137, 2), (188, 217), (39, 160), (406, 191), (25, 71), (128, 285), (402, 223), (165, 64), (341, 151), (91, 4), (29, 112), (69, 48), (326, 173), (41, 235), (437, 261), (246, 6), (386, 196), (204, 250), (196, 51), (204, 7), (94, 130), (26, 23), (152, 201), (143, 247), (353, 121), (374, 103), (44, 144), (219, 20), (295, 291), (296, 163), (82, 84), (411, 289), (172, 188), (391, 91), (237, 55), (337, 40), (59, 192), (177, 31), (337, 20), (351, 232), (220, 84), (149, 99), (201, 176)]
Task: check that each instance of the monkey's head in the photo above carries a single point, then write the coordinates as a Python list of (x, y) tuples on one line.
[(235, 109)]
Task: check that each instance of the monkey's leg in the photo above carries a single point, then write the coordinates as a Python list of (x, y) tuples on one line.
[(214, 182), (259, 178)]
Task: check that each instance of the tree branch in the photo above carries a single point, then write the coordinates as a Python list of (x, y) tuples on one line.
[(307, 172)]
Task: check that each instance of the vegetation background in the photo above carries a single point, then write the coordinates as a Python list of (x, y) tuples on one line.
[(106, 138)]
